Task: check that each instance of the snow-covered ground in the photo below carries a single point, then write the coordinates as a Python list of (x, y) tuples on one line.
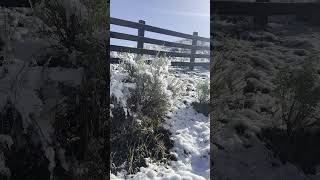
[(22, 80), (190, 130), (244, 156)]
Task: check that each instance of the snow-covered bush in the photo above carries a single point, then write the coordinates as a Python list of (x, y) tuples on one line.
[(203, 92), (75, 28), (298, 92), (298, 97), (77, 32), (149, 97), (66, 19), (175, 86), (203, 95), (228, 74), (149, 94), (68, 113), (138, 113)]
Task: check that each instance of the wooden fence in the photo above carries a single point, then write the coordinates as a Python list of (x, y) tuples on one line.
[(141, 39), (261, 9)]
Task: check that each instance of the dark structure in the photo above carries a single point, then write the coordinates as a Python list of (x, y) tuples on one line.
[(261, 20), (14, 3), (261, 9), (141, 39)]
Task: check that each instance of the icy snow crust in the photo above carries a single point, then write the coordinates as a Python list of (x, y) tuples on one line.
[(190, 130)]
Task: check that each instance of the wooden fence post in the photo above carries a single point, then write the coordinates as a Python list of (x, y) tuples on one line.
[(141, 36), (193, 50), (261, 20)]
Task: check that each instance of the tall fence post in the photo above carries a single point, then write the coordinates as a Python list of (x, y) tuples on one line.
[(261, 20), (141, 36), (193, 50)]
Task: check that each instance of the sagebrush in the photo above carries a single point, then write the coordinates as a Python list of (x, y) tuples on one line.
[(137, 131)]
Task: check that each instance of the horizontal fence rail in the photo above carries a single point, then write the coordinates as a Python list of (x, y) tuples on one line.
[(141, 39), (155, 41), (263, 8)]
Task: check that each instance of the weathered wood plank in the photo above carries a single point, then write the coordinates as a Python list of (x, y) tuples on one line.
[(154, 52), (174, 33), (125, 23), (130, 37), (123, 36), (263, 8)]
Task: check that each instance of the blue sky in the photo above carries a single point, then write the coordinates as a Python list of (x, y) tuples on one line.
[(184, 16)]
